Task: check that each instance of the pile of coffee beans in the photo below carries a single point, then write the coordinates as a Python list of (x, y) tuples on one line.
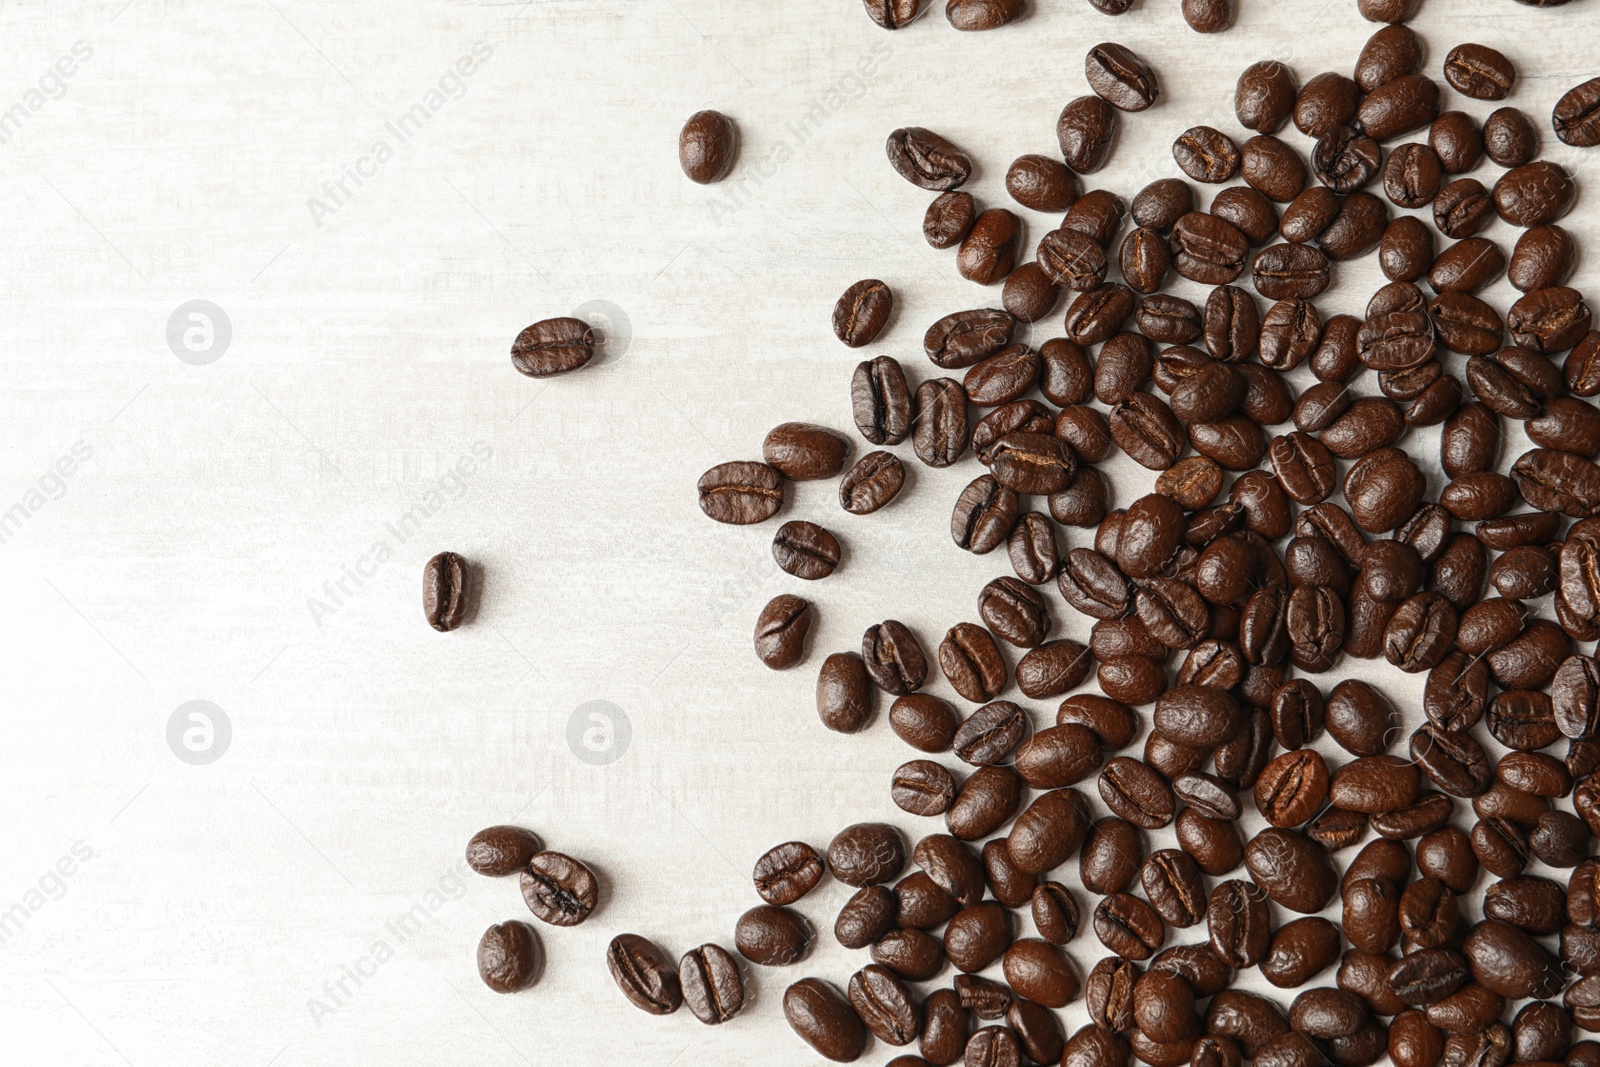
[(558, 889), (1375, 515)]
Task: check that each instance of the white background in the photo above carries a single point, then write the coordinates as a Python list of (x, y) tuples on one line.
[(368, 354)]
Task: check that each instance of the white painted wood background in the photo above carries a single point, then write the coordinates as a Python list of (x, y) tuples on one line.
[(216, 913)]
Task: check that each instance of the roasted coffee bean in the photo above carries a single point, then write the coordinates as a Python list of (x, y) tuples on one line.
[(1206, 154), (1549, 320), (1265, 96), (1374, 784), (787, 872), (1172, 882), (1128, 926), (1049, 831), (989, 250), (924, 722), (1399, 106), (1289, 333), (862, 312), (1454, 762), (983, 14), (1194, 482), (1326, 102), (1308, 214), (772, 936), (872, 483), (845, 694), (1357, 229), (741, 493), (1345, 160), (708, 147), (1029, 294), (1510, 138), (1457, 140), (1246, 208), (991, 733), (949, 219), (1207, 249), (1577, 115), (977, 936), (1383, 488), (805, 550), (923, 787), (1292, 869), (1041, 973), (711, 983), (865, 917), (1301, 950), (985, 999), (966, 337), (985, 802), (824, 1020), (500, 851), (1041, 183), (1055, 912), (927, 160), (509, 957), (893, 14), (644, 974), (1239, 924), (884, 1005), (1283, 271), (781, 631), (984, 515), (866, 854), (880, 401), (1534, 194), (1085, 132), (1111, 856), (1462, 208), (445, 589), (1120, 77), (1000, 379), (1392, 52), (553, 346), (1405, 250), (558, 889), (1509, 962)]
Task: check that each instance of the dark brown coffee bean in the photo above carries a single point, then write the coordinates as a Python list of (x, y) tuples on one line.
[(1345, 160), (1041, 184), (1173, 885), (845, 695), (1096, 214), (874, 481), (1265, 96), (1120, 77), (989, 250), (1207, 249), (991, 734), (881, 401), (866, 854), (927, 160), (923, 787), (509, 957), (1283, 271), (1326, 102), (984, 515), (1577, 115), (445, 589), (805, 550), (865, 917), (884, 1005), (644, 974), (1300, 951), (559, 890), (1247, 208), (1128, 926), (708, 147), (949, 219), (1558, 482), (1534, 194), (1137, 793), (893, 14), (1240, 927), (966, 337), (1049, 831), (972, 663), (983, 14), (1399, 106), (862, 312), (1029, 295), (741, 493), (782, 629), (1383, 488), (1457, 140), (1085, 131), (1206, 154), (1405, 250), (711, 984), (1480, 72), (553, 346), (824, 1020)]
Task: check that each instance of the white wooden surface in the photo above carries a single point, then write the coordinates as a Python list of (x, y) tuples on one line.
[(245, 911)]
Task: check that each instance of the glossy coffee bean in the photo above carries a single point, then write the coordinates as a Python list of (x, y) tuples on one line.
[(558, 889), (644, 974), (509, 957)]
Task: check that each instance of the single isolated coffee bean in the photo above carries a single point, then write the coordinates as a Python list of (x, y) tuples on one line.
[(1120, 77), (787, 872), (509, 957), (984, 14), (805, 452), (741, 493), (862, 312), (927, 160), (708, 147), (711, 983), (805, 550), (500, 851), (553, 346), (444, 591), (559, 890), (893, 14)]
